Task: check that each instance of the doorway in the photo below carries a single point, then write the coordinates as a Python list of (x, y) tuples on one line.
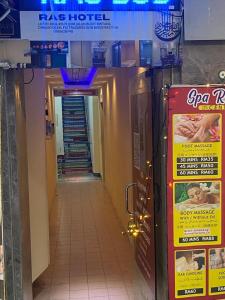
[(78, 133), (87, 216), (89, 258)]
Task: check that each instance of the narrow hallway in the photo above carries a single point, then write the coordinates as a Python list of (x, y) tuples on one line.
[(90, 259)]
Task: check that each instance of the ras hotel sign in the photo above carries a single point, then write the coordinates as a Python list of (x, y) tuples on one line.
[(91, 20)]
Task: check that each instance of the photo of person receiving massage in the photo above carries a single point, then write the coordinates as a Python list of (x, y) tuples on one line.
[(197, 128), (192, 195), (217, 258), (190, 260)]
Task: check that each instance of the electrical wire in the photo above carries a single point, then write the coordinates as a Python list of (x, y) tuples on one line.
[(31, 78), (181, 32), (156, 156)]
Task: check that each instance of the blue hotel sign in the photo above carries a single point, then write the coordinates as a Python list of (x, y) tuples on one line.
[(99, 5)]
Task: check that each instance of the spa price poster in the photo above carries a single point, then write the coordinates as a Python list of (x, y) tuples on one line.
[(195, 192)]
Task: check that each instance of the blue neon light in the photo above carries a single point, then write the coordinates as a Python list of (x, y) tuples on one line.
[(60, 1), (140, 1), (93, 2), (98, 5), (54, 1), (120, 2), (161, 1), (85, 81)]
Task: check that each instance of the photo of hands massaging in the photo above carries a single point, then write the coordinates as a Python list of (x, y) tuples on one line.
[(192, 195), (197, 128)]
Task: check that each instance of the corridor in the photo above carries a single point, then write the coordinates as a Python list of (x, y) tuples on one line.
[(90, 258)]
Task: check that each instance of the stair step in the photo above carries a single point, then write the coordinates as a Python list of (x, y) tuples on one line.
[(77, 156)]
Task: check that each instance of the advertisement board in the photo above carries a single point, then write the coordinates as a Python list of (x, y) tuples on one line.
[(109, 38), (195, 192), (49, 46), (86, 26), (99, 33)]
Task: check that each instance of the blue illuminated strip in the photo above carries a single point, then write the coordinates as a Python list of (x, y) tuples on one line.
[(94, 2), (161, 1), (120, 1), (54, 1), (98, 5), (140, 1)]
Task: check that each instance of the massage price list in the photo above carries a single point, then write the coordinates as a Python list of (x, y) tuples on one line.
[(197, 166)]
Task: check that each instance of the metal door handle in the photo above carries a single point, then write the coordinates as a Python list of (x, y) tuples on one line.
[(127, 197)]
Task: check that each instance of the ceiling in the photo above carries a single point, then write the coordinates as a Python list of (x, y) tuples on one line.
[(54, 78)]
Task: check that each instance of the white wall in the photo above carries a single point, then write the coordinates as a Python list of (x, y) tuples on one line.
[(38, 199), (117, 138), (95, 133)]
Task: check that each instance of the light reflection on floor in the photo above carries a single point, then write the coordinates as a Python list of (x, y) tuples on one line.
[(80, 178)]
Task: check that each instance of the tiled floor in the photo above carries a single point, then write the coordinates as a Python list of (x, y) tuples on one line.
[(90, 259)]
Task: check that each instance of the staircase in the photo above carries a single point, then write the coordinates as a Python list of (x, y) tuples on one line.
[(77, 158)]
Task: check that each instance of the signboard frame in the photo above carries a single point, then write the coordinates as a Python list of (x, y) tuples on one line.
[(198, 101)]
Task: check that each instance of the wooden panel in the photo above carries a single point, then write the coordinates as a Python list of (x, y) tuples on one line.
[(143, 193)]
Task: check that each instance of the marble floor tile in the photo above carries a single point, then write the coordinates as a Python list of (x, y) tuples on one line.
[(90, 259)]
